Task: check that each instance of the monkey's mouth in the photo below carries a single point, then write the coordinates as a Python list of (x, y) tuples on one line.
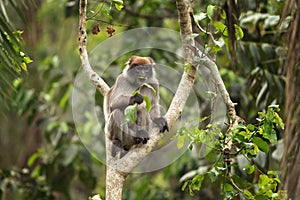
[(142, 78)]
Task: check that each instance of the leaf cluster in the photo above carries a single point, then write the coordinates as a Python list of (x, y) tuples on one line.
[(13, 60), (215, 31), (130, 111), (248, 141)]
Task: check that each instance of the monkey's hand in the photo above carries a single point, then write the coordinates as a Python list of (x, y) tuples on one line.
[(162, 124), (137, 98)]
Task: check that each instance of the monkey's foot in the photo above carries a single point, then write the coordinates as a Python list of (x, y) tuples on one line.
[(140, 140), (142, 137)]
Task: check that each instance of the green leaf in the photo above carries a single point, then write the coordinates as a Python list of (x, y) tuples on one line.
[(182, 131), (210, 11), (255, 53), (246, 134), (24, 66), (200, 16), (34, 157), (187, 68), (252, 152), (222, 28), (148, 103), (27, 59), (262, 145), (118, 4), (263, 180), (273, 137), (249, 194), (184, 185), (149, 86), (271, 21), (239, 34), (191, 190), (135, 92), (95, 197), (268, 50), (36, 172), (273, 107), (262, 92), (129, 113), (63, 101), (278, 121), (250, 168), (180, 141), (271, 172), (250, 127), (64, 127), (197, 181), (213, 175), (223, 14), (228, 188)]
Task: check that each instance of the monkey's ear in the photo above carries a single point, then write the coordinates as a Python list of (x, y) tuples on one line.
[(150, 60), (131, 59)]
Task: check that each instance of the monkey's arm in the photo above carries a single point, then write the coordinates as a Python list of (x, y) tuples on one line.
[(121, 102), (162, 124), (155, 114)]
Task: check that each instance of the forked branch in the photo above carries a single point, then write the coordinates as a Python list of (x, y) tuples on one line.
[(117, 170)]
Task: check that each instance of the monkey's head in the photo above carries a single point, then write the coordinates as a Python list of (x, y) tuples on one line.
[(139, 70)]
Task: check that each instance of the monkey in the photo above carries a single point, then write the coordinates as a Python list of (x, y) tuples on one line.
[(138, 75)]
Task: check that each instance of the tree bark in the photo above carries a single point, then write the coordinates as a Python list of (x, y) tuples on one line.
[(114, 183), (290, 165), (97, 81)]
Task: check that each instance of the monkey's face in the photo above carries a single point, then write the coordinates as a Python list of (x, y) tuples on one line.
[(140, 73)]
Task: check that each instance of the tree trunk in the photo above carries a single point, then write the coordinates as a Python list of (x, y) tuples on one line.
[(114, 183), (291, 158)]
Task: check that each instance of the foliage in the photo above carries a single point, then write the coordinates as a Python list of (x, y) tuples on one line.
[(58, 165), (12, 58), (259, 51), (213, 19), (130, 111), (248, 141), (95, 197), (58, 162)]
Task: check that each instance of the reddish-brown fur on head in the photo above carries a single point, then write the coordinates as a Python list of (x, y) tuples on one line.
[(140, 60)]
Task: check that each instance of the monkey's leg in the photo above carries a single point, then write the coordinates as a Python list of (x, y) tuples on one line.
[(122, 134), (142, 125), (115, 132)]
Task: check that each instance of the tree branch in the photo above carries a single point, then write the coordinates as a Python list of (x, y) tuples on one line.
[(231, 112), (94, 77), (134, 156), (117, 170)]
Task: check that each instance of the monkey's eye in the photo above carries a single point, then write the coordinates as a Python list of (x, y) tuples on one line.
[(134, 65), (148, 66)]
